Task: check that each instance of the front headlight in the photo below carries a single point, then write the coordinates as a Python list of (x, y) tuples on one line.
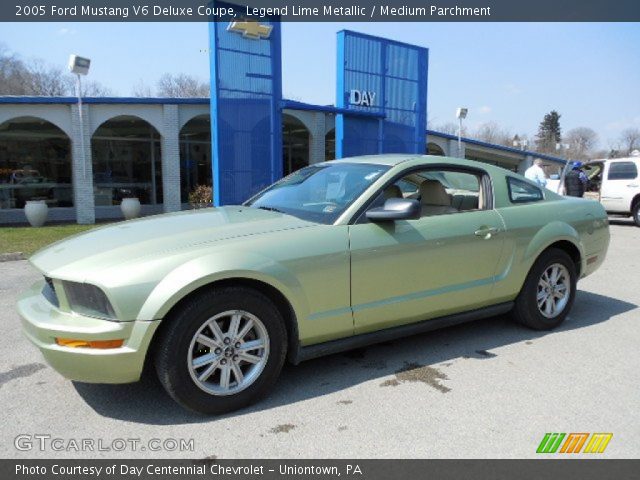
[(88, 300)]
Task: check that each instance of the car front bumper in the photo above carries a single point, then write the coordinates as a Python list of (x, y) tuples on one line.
[(42, 323)]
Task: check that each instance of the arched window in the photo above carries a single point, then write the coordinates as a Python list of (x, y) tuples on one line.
[(295, 144), (126, 161), (35, 163), (434, 149), (195, 155)]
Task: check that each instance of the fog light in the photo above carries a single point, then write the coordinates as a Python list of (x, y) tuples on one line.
[(72, 343)]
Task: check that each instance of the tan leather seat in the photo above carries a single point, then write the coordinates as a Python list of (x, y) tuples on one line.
[(434, 199), (392, 191)]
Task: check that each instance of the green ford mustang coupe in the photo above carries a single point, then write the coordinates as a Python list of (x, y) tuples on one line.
[(337, 255)]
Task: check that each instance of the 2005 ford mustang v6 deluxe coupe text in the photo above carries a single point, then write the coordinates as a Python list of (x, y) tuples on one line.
[(337, 255)]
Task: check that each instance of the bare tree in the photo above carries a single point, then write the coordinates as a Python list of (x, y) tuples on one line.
[(181, 85), (487, 132), (36, 77), (630, 139), (48, 81), (615, 150), (582, 142), (12, 73), (491, 132), (141, 89), (95, 89), (450, 128)]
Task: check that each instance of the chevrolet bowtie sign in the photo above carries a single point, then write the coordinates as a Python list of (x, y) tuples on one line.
[(250, 29)]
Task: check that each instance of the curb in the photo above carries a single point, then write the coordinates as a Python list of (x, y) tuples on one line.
[(12, 257)]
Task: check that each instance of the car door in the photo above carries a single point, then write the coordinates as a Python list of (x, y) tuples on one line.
[(594, 172), (620, 183), (412, 270)]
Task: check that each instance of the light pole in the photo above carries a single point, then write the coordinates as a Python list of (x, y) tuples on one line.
[(80, 66), (461, 113)]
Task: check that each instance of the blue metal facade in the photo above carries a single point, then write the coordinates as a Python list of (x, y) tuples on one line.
[(385, 77), (246, 96)]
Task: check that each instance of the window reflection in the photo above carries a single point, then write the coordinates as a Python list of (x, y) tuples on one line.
[(35, 164), (195, 155), (295, 144), (126, 162)]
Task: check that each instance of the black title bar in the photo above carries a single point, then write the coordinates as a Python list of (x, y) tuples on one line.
[(584, 469), (325, 11)]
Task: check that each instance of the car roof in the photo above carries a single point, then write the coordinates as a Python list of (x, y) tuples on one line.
[(388, 160), (603, 160), (392, 160)]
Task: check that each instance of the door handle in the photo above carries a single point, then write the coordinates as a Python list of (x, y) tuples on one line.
[(486, 232)]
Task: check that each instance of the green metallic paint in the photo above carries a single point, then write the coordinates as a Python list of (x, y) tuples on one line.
[(412, 270), (42, 323), (340, 280), (298, 267)]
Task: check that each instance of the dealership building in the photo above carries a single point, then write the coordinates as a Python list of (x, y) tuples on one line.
[(160, 149)]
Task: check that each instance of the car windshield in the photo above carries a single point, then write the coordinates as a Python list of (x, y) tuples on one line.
[(319, 193)]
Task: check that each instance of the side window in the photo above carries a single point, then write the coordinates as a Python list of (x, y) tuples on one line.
[(622, 171), (439, 191), (407, 188), (521, 192)]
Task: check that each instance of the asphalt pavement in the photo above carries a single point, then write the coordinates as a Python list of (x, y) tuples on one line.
[(488, 389)]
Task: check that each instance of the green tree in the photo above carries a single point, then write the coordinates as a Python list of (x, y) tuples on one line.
[(549, 133)]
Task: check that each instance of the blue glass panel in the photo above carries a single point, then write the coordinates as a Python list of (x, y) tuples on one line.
[(396, 74), (246, 95)]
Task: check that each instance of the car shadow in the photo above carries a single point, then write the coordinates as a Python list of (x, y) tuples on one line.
[(622, 221), (146, 402)]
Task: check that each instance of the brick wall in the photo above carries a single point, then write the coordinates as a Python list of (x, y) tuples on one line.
[(82, 167), (170, 148)]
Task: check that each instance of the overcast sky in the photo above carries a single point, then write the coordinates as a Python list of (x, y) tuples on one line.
[(511, 73)]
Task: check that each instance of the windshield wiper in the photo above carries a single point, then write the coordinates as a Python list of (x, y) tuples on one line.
[(271, 209)]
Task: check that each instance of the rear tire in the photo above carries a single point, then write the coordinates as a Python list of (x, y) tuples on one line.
[(222, 350), (548, 292)]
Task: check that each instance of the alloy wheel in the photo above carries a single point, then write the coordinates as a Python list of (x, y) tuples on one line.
[(554, 289), (228, 352)]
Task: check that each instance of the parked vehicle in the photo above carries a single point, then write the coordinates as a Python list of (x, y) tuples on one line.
[(615, 183), (335, 256)]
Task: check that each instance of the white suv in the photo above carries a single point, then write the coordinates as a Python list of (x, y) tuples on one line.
[(615, 183)]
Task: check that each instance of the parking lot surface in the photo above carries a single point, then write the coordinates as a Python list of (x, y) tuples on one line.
[(488, 389)]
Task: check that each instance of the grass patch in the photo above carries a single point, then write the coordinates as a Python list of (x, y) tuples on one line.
[(28, 239)]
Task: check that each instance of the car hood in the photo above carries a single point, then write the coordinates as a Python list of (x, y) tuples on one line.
[(126, 241)]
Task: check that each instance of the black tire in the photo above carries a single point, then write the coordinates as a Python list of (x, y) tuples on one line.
[(526, 310), (635, 213), (175, 343)]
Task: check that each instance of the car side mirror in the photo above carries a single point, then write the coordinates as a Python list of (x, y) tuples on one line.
[(396, 209)]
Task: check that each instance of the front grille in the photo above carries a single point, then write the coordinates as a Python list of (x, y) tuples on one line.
[(49, 292)]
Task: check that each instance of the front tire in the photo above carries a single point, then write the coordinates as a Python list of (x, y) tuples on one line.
[(548, 292), (635, 213), (221, 350)]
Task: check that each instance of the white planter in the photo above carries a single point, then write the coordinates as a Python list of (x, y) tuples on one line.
[(36, 212), (130, 208)]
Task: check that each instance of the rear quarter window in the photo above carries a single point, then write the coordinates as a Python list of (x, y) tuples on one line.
[(523, 192), (622, 171)]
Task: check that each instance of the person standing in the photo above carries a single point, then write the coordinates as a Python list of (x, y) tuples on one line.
[(536, 173), (575, 181)]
